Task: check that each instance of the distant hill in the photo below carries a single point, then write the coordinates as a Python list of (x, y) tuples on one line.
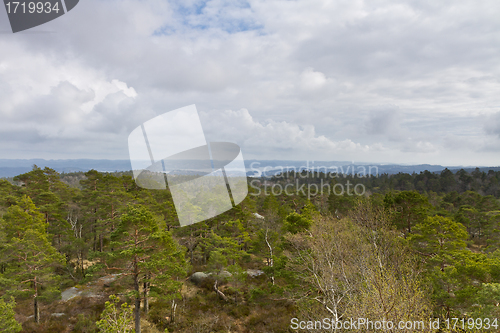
[(269, 168), (14, 167)]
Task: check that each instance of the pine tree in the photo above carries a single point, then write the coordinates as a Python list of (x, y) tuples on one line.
[(441, 243), (409, 207), (50, 195), (147, 253), (29, 254), (8, 323)]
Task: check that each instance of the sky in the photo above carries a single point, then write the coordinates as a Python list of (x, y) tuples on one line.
[(407, 82)]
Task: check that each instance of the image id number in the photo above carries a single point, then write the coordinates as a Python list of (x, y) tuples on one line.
[(15, 7)]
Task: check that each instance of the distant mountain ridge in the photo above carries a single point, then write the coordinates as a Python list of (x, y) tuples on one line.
[(14, 167)]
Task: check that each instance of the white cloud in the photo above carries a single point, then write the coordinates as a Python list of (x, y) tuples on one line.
[(102, 89), (260, 138), (312, 80), (385, 81)]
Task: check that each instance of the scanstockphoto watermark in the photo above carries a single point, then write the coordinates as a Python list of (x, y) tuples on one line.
[(323, 184), (205, 178), (357, 324), (332, 171), (484, 324), (308, 190)]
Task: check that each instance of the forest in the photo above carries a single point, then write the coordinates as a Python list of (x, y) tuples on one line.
[(93, 252)]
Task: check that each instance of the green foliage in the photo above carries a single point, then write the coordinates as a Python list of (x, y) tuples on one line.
[(147, 253), (310, 212), (339, 204), (439, 236), (295, 223), (8, 323), (30, 259), (227, 246), (22, 217), (166, 267), (115, 319), (34, 260), (454, 273), (488, 300), (217, 261), (75, 234), (257, 293), (409, 208), (85, 324)]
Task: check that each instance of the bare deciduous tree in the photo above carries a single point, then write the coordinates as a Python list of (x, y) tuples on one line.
[(357, 267)]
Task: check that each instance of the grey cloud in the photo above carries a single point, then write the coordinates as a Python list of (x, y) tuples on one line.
[(113, 115), (412, 146), (55, 107), (382, 121), (492, 124), (307, 64)]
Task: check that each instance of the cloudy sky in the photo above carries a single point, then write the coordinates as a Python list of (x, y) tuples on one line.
[(364, 81)]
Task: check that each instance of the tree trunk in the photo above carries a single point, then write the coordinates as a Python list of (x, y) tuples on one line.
[(271, 259), (172, 313), (82, 264), (95, 237), (219, 293), (37, 310), (35, 303), (137, 312), (146, 303), (146, 290)]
